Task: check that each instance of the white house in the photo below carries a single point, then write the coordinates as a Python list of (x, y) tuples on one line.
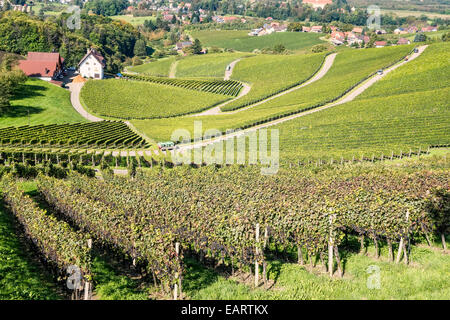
[(92, 65)]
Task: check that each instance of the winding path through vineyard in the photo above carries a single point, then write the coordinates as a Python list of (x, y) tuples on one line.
[(228, 73), (328, 63), (75, 89), (347, 98)]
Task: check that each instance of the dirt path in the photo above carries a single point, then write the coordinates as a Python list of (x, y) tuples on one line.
[(228, 73), (173, 69), (216, 110), (347, 98), (75, 89), (329, 60)]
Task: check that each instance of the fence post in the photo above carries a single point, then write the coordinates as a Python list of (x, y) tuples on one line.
[(87, 284), (256, 256), (175, 287), (266, 238), (392, 155), (401, 245), (330, 248)]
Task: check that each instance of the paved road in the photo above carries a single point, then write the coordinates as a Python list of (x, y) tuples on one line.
[(347, 98), (75, 89)]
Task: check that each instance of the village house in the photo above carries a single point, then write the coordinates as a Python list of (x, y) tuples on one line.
[(357, 30), (181, 45), (380, 44), (317, 29), (92, 65), (429, 29), (46, 66), (316, 4), (306, 29), (402, 41)]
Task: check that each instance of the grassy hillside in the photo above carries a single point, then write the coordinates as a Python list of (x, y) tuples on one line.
[(134, 99), (350, 67), (407, 109), (209, 65), (268, 74), (160, 67), (240, 40), (40, 102)]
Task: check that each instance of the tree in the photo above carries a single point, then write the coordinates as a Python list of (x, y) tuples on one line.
[(140, 49), (279, 48), (197, 47), (446, 36), (9, 80), (420, 37), (319, 48)]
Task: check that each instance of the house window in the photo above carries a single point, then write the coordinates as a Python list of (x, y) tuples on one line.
[(97, 76)]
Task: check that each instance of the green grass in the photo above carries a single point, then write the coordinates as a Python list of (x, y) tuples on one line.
[(134, 99), (209, 65), (160, 67), (349, 68), (21, 278), (269, 74), (425, 280), (40, 102), (408, 109), (135, 21), (240, 40), (110, 285), (407, 13)]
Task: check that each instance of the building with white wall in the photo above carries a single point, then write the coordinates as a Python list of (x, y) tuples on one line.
[(92, 65)]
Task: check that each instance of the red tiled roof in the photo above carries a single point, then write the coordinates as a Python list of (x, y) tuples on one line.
[(36, 68), (44, 56), (96, 55), (318, 1), (380, 43)]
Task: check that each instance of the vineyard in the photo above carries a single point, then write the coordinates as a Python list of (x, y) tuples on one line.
[(160, 68), (310, 213), (211, 65), (225, 87), (406, 110), (348, 71), (269, 75), (145, 100), (99, 135)]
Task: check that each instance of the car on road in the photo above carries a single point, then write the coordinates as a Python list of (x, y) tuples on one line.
[(169, 145), (380, 72), (416, 50)]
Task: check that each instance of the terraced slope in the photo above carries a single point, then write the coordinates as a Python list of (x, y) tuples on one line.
[(160, 67), (226, 87), (121, 99), (350, 68), (269, 75), (210, 65), (406, 110), (102, 135)]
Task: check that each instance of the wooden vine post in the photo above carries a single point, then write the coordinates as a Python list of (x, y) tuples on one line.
[(87, 284), (266, 238), (177, 285), (256, 256), (330, 247), (402, 246)]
